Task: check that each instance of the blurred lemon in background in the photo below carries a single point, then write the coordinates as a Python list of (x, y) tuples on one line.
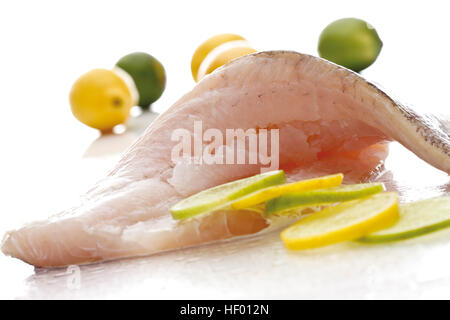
[(101, 99), (351, 43), (217, 51), (148, 75)]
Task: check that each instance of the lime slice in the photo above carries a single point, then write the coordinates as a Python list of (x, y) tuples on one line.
[(416, 219), (321, 196), (272, 192), (346, 221), (219, 196)]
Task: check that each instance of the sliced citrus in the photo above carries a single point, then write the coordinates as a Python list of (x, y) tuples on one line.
[(275, 191), (221, 195), (321, 196), (416, 219), (206, 47), (346, 221)]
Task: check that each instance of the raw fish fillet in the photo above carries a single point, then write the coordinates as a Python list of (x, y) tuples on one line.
[(330, 120)]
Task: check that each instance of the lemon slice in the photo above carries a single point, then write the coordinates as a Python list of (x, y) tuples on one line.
[(346, 221), (210, 199), (321, 196), (272, 192), (416, 219)]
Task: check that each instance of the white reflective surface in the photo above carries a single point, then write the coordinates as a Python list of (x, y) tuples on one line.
[(261, 268)]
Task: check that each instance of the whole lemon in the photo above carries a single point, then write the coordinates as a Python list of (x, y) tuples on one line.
[(206, 47), (218, 58), (101, 99), (217, 51)]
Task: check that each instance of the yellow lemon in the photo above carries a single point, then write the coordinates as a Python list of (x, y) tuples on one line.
[(416, 219), (101, 99), (218, 58), (217, 51), (346, 221), (206, 47)]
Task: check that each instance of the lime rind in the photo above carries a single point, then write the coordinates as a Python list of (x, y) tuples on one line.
[(416, 219), (405, 235), (263, 195), (220, 196), (321, 196)]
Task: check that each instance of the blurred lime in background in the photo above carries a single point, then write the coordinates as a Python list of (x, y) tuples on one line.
[(351, 43), (148, 75), (101, 99)]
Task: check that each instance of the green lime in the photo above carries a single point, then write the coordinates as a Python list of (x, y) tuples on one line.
[(321, 196), (416, 219), (272, 192), (219, 196), (148, 75), (350, 42)]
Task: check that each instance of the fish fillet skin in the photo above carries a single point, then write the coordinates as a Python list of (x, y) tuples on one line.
[(330, 120)]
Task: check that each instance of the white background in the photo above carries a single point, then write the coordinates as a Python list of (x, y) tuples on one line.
[(46, 45)]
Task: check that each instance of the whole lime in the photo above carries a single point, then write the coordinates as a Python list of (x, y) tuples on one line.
[(350, 42), (148, 74)]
